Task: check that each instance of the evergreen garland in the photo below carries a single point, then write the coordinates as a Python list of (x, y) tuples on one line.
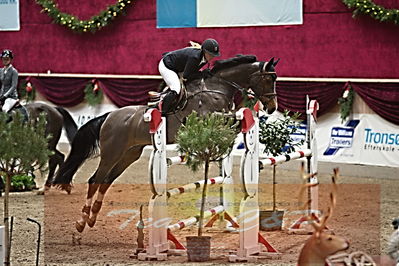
[(93, 94), (377, 12), (346, 102), (93, 24), (249, 100), (26, 91)]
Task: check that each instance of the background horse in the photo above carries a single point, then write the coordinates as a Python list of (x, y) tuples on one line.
[(56, 119), (122, 134)]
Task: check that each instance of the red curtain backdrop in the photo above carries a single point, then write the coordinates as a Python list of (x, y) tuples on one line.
[(382, 98), (330, 43), (292, 95), (70, 91)]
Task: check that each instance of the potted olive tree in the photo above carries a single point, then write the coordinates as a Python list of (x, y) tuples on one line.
[(204, 139), (23, 149), (276, 136)]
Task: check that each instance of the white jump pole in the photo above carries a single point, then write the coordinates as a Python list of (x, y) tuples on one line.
[(312, 106), (248, 219), (157, 208)]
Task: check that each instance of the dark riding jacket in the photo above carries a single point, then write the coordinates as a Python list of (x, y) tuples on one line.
[(187, 60), (9, 81)]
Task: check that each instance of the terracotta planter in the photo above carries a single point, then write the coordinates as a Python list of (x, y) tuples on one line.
[(198, 248), (271, 220)]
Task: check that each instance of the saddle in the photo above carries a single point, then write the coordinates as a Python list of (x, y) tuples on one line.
[(11, 107), (157, 97)]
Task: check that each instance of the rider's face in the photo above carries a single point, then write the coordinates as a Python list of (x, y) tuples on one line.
[(208, 57), (6, 61)]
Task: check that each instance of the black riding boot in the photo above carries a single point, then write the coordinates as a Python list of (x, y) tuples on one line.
[(169, 102)]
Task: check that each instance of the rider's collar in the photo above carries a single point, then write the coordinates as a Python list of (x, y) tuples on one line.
[(6, 68), (203, 60)]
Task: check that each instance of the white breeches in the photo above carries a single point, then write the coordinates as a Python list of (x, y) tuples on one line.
[(171, 78), (8, 104)]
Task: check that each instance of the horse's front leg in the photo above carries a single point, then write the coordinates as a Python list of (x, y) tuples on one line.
[(81, 223), (55, 160)]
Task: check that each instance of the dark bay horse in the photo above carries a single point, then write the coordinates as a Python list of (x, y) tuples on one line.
[(122, 134), (56, 119)]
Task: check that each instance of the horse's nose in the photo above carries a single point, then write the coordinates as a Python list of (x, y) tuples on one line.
[(271, 106), (271, 110)]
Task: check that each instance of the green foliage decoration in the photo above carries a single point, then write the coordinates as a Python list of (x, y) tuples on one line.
[(206, 138), (93, 94), (22, 183), (23, 146), (275, 135), (249, 100), (346, 103), (377, 12), (75, 24)]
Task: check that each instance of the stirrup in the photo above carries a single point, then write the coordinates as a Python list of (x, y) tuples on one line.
[(153, 104)]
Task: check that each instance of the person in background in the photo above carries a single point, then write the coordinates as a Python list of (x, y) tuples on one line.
[(9, 82), (393, 245), (187, 61)]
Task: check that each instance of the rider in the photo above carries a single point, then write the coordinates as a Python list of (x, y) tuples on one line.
[(187, 61), (9, 81)]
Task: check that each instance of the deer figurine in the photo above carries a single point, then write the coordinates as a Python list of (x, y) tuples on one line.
[(322, 244)]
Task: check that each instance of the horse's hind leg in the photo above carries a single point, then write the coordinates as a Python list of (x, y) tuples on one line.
[(107, 163), (81, 223), (128, 158)]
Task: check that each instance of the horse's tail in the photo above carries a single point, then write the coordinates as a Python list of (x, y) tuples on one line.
[(69, 124), (84, 145)]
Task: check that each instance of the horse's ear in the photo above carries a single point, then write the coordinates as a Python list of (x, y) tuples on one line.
[(269, 65), (275, 63)]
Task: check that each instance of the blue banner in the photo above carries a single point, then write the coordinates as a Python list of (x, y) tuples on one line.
[(9, 15), (228, 13)]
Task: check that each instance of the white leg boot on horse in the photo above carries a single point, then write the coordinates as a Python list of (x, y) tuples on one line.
[(102, 185)]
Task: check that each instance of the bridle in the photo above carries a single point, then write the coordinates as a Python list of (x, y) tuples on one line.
[(262, 79)]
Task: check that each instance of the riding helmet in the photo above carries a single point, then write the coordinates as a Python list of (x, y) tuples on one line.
[(7, 53), (211, 46)]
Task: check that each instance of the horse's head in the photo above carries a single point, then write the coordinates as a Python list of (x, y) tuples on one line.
[(263, 84)]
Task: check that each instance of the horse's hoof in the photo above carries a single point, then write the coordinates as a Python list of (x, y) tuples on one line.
[(40, 192), (91, 222), (68, 189), (80, 227)]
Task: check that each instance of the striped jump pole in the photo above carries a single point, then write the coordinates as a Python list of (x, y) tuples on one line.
[(219, 210), (193, 186), (286, 157), (222, 212), (175, 160)]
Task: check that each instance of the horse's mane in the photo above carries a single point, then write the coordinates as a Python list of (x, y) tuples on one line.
[(234, 61)]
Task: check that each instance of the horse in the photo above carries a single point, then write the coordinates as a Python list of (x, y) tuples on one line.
[(122, 134), (56, 119)]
